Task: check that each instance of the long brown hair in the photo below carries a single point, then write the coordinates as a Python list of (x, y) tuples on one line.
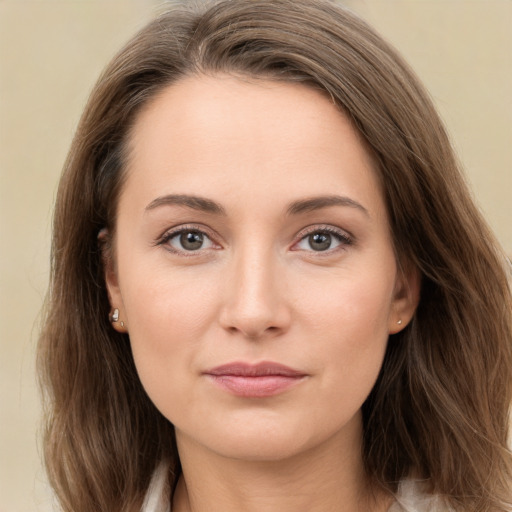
[(440, 408)]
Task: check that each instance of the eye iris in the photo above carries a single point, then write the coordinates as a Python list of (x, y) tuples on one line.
[(320, 241), (191, 240)]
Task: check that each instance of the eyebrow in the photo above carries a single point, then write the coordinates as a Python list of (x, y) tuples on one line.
[(317, 203), (193, 202), (295, 208)]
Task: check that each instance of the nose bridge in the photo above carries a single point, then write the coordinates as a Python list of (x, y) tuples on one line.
[(254, 272), (255, 302)]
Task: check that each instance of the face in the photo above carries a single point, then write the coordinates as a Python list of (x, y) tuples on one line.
[(254, 269)]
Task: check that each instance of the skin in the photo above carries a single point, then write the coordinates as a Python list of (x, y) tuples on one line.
[(258, 289)]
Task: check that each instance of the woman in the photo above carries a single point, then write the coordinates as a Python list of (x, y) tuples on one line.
[(270, 287)]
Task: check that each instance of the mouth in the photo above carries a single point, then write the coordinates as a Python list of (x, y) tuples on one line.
[(255, 380)]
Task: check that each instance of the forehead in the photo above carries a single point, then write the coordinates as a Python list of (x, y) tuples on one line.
[(226, 133)]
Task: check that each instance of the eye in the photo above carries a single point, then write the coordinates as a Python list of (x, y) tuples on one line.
[(322, 240), (187, 240)]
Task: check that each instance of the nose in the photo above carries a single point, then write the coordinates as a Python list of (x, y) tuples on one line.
[(256, 302)]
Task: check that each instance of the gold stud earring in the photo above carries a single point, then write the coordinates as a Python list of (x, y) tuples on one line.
[(399, 322)]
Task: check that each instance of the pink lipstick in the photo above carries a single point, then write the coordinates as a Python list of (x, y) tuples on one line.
[(255, 380)]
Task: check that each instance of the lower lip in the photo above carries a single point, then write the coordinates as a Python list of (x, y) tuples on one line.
[(255, 387)]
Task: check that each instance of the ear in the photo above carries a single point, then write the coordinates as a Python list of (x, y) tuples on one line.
[(111, 281), (405, 298)]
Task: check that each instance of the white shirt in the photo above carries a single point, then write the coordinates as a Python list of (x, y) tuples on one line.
[(409, 497), (158, 495)]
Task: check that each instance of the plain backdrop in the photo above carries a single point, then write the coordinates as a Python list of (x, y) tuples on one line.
[(51, 52)]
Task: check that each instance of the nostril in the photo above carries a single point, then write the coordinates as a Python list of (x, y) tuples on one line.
[(253, 333)]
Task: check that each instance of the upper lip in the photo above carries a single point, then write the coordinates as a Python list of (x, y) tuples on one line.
[(263, 369)]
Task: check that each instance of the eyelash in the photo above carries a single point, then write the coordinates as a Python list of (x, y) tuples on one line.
[(173, 233), (342, 237)]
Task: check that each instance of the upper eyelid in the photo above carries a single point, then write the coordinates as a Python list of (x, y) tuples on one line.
[(324, 227), (180, 228)]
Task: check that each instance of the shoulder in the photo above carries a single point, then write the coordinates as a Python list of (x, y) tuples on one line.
[(411, 497)]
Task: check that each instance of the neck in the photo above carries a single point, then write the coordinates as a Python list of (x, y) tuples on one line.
[(326, 478)]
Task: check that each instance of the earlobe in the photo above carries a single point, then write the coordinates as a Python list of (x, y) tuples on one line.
[(405, 300), (115, 319)]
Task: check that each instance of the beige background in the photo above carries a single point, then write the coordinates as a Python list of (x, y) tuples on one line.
[(50, 54)]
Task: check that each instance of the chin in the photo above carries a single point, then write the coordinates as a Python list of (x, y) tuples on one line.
[(261, 448), (271, 439)]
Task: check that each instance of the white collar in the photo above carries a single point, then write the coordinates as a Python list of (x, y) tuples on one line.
[(158, 494), (410, 497)]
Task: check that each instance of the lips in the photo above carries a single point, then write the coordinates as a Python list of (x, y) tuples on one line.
[(255, 381)]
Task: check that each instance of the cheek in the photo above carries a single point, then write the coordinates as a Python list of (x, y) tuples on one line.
[(167, 316), (348, 320), (352, 304), (163, 304)]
